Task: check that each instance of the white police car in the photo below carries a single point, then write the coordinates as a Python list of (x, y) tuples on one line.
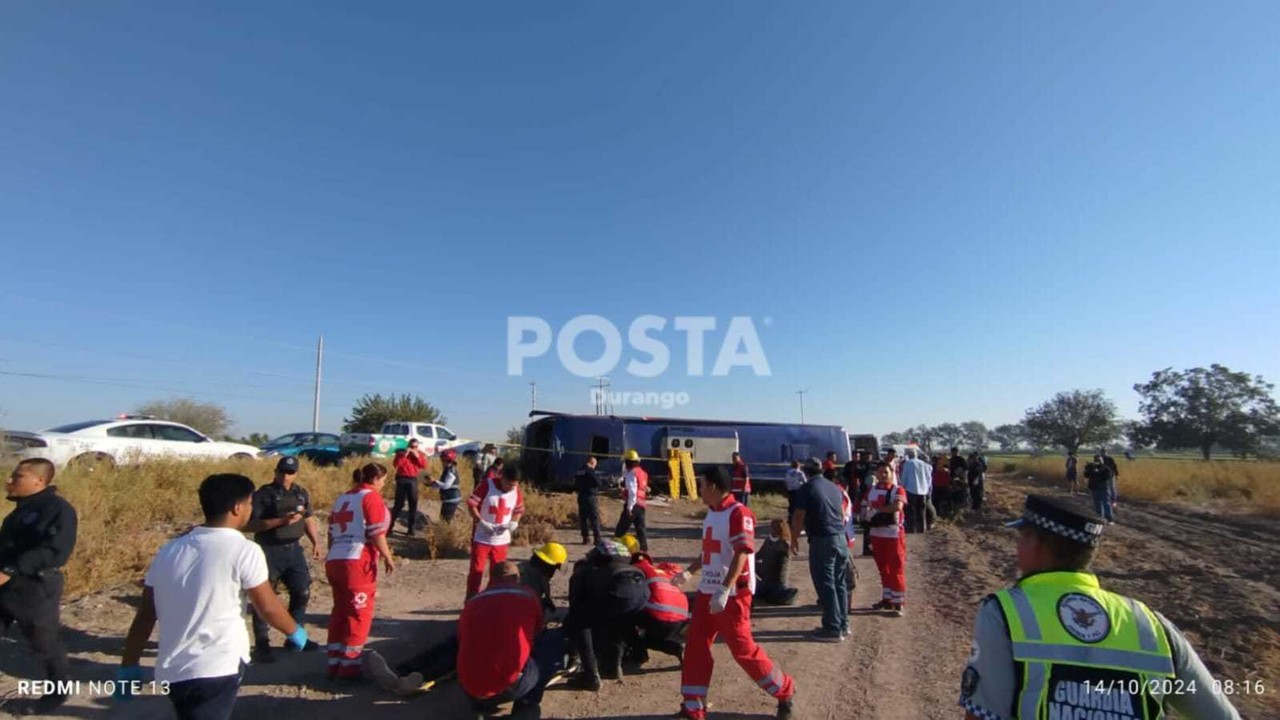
[(127, 439)]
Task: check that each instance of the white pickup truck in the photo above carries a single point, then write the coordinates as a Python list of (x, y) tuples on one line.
[(396, 435)]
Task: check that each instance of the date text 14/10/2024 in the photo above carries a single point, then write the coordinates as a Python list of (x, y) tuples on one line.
[(91, 688), (1173, 686)]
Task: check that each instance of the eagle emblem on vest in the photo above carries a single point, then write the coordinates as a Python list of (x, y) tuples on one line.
[(1083, 618)]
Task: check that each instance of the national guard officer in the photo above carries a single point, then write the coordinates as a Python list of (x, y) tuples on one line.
[(35, 541), (281, 516), (1056, 645)]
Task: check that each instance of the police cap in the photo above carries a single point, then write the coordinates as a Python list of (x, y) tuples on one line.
[(1062, 517)]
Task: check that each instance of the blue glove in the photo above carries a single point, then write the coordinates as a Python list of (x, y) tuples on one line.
[(298, 640), (126, 675)]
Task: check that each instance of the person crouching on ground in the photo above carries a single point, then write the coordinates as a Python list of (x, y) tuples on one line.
[(607, 598), (666, 614), (773, 565), (889, 539), (538, 570), (496, 506), (501, 655), (358, 526)]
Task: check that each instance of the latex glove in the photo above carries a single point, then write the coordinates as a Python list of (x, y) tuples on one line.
[(298, 640), (719, 600), (490, 527), (681, 578), (126, 675), (513, 525)]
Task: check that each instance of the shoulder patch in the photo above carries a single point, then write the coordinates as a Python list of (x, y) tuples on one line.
[(1083, 618)]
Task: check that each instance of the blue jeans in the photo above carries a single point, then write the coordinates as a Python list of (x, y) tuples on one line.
[(829, 568), (206, 698), (1102, 503)]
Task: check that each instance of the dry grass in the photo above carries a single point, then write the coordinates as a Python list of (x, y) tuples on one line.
[(127, 513), (1255, 485)]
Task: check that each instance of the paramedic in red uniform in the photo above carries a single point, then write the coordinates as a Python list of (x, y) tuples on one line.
[(887, 500), (496, 637), (666, 615), (741, 480), (635, 489), (723, 603), (409, 464), (496, 507), (358, 526)]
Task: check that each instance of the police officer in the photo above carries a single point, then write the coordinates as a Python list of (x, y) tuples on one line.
[(35, 541), (1057, 645), (281, 516), (587, 483)]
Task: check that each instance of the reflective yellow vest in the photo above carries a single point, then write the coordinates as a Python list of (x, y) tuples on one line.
[(1083, 652)]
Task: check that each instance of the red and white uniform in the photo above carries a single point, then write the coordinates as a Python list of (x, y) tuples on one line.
[(741, 481), (636, 483), (490, 548), (728, 528), (889, 543), (357, 518), (666, 603), (496, 633)]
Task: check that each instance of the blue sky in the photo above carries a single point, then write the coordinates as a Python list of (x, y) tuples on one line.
[(945, 211)]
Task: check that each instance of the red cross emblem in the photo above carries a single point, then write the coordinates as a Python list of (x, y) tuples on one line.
[(710, 546), (343, 516), (498, 510)]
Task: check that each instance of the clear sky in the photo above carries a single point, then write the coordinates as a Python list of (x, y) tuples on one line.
[(932, 211)]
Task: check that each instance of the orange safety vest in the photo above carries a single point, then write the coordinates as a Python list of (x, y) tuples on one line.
[(666, 603)]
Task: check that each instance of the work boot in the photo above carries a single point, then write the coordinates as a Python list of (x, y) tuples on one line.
[(262, 655), (586, 681), (410, 684), (613, 671), (786, 708), (521, 710), (376, 669), (45, 705)]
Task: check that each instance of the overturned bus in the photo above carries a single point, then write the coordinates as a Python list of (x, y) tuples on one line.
[(557, 444)]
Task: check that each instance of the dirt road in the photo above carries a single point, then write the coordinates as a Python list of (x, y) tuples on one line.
[(1209, 573)]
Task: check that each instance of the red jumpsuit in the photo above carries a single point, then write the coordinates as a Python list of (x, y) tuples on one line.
[(728, 528), (889, 545), (357, 518), (489, 548)]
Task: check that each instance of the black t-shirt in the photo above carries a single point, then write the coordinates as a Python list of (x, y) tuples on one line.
[(271, 502), (823, 508)]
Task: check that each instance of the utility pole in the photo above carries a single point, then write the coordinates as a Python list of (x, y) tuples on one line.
[(533, 394), (602, 400), (801, 394), (315, 411)]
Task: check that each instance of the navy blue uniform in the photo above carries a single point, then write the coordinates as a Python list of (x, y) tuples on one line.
[(286, 562)]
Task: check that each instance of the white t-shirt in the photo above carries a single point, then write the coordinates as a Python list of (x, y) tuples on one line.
[(198, 580)]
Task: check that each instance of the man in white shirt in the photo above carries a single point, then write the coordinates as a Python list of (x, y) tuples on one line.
[(193, 589), (795, 480), (917, 480)]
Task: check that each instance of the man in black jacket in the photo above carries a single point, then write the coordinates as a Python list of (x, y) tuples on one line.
[(36, 539), (588, 486), (1101, 481), (607, 597)]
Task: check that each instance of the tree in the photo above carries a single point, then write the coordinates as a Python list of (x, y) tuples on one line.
[(922, 434), (515, 435), (973, 434), (255, 439), (1071, 419), (1203, 407), (893, 438), (1008, 436), (948, 435), (208, 418), (371, 411)]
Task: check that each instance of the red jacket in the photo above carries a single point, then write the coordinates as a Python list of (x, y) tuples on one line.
[(409, 464), (666, 602), (941, 477), (741, 477), (495, 638)]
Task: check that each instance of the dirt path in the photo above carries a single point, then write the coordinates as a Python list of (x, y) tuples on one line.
[(1211, 574), (890, 668)]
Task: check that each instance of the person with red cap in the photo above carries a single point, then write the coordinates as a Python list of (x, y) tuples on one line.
[(887, 500), (496, 506), (723, 603), (450, 492), (358, 526)]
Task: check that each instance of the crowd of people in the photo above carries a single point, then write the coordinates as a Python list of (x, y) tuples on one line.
[(512, 641)]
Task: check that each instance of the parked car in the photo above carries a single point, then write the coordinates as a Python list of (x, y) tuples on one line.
[(127, 439), (396, 435), (319, 448)]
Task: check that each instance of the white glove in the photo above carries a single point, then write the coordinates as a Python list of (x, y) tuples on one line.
[(490, 527), (719, 600), (513, 525), (681, 578)]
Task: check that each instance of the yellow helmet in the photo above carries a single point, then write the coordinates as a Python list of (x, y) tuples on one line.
[(632, 456), (633, 545), (552, 553)]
